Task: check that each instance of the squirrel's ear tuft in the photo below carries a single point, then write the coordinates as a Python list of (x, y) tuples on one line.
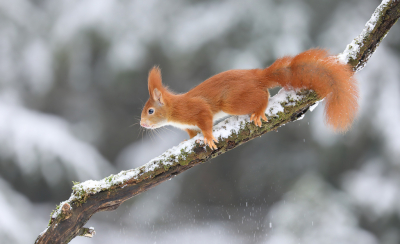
[(154, 80)]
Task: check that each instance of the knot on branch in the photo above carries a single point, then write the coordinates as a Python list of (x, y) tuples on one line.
[(87, 232), (66, 210), (109, 206)]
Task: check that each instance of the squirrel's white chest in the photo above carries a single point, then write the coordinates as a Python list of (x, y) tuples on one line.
[(217, 116), (183, 126)]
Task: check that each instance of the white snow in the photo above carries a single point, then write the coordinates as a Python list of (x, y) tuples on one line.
[(275, 106), (92, 233), (312, 107), (301, 117)]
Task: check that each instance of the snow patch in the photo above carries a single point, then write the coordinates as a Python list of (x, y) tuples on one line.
[(301, 117), (312, 107)]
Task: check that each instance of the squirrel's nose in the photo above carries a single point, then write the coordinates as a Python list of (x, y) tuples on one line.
[(143, 124)]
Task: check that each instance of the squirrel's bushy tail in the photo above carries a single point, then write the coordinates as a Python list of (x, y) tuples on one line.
[(330, 79)]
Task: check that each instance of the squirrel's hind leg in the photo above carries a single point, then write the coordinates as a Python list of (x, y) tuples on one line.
[(257, 116), (260, 111), (253, 101)]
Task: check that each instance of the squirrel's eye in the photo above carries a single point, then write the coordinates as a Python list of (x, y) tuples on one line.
[(151, 111)]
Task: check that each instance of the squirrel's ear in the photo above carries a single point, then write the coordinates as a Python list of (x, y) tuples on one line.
[(157, 96), (154, 80)]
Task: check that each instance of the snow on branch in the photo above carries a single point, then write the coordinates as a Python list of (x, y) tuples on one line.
[(89, 197), (364, 45)]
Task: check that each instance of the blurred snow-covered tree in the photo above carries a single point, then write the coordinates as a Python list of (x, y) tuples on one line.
[(73, 78)]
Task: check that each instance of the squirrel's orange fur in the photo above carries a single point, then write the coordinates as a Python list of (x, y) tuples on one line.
[(239, 92)]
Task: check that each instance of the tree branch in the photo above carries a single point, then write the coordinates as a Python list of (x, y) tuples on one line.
[(89, 197), (358, 52)]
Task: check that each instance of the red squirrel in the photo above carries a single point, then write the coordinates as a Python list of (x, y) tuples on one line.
[(240, 92)]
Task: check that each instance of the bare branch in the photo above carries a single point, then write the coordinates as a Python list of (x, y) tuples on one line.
[(89, 197)]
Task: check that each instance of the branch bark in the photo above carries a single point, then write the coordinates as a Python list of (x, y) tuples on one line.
[(89, 197)]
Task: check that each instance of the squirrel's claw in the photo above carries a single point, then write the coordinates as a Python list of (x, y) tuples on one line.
[(257, 119), (210, 142), (264, 117)]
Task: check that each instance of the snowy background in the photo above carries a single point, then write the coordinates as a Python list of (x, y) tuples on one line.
[(73, 81)]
